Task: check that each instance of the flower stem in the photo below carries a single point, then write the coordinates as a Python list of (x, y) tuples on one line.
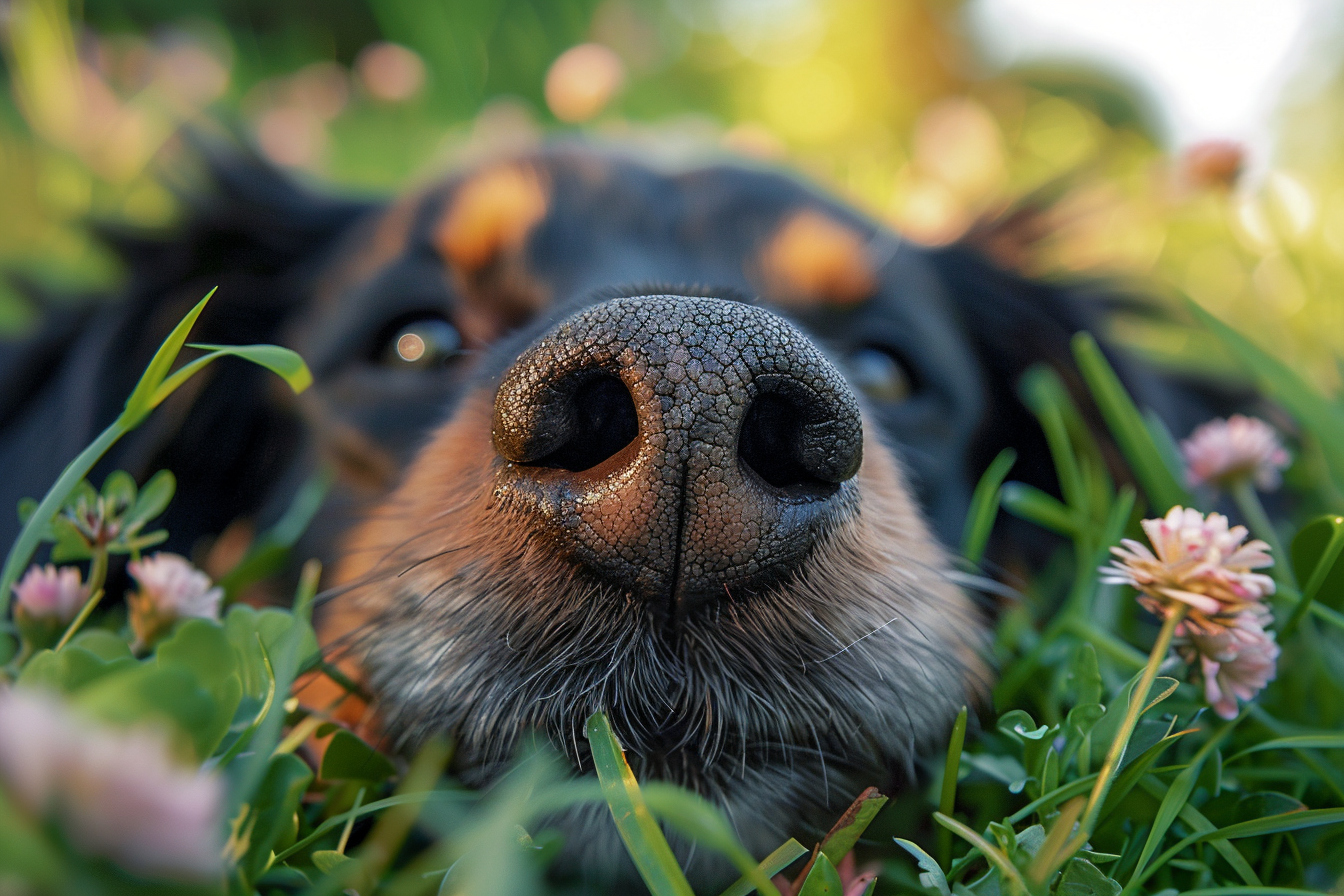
[(1248, 502), (97, 574), (1138, 699)]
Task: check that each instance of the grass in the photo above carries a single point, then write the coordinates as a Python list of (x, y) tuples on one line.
[(1100, 769)]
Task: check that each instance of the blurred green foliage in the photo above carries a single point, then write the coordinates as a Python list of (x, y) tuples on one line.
[(885, 100)]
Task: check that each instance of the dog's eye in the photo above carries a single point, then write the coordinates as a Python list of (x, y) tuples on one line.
[(880, 374), (420, 343)]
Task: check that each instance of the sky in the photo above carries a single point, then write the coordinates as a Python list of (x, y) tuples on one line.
[(1218, 68)]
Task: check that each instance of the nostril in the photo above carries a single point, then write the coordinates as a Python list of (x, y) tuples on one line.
[(769, 439), (799, 437), (770, 443), (603, 421)]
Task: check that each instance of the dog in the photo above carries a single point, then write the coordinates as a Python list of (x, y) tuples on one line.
[(687, 446)]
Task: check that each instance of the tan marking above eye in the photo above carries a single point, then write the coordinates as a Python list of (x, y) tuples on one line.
[(482, 236), (813, 259), (491, 213)]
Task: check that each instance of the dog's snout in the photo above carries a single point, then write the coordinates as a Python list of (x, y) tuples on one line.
[(681, 448)]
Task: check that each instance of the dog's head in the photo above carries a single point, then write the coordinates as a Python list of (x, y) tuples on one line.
[(706, 509), (681, 504)]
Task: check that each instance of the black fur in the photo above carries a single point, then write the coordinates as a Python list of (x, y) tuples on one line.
[(235, 441)]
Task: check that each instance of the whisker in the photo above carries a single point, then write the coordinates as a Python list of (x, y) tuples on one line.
[(423, 560)]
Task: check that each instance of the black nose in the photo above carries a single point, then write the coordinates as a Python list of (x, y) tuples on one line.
[(682, 448)]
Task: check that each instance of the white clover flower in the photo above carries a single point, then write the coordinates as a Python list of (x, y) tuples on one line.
[(1236, 662), (35, 733), (46, 592), (175, 586), (45, 602), (170, 589), (1223, 451), (127, 800), (1199, 562), (116, 794)]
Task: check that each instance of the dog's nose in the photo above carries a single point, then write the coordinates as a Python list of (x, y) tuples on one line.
[(680, 448)]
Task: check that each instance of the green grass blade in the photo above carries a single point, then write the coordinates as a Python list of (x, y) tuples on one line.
[(1326, 615), (337, 821), (284, 363), (1195, 819), (1314, 411), (281, 361), (1117, 518), (562, 794), (985, 506), (948, 798), (390, 831), (850, 827), (1201, 825), (1174, 800), (140, 403), (1273, 824), (271, 548), (1300, 742), (1035, 506), (1315, 552), (1133, 773), (31, 535), (1205, 832), (1047, 801), (286, 661), (1168, 448), (1128, 427), (771, 865), (1045, 394), (706, 824), (636, 824), (1250, 891), (991, 852)]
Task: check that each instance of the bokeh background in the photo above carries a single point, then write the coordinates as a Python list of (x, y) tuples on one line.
[(1178, 148)]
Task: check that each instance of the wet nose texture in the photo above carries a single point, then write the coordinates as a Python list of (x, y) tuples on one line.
[(682, 448)]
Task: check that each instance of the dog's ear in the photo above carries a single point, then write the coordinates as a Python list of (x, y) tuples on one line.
[(1012, 323), (248, 230), (1015, 322)]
